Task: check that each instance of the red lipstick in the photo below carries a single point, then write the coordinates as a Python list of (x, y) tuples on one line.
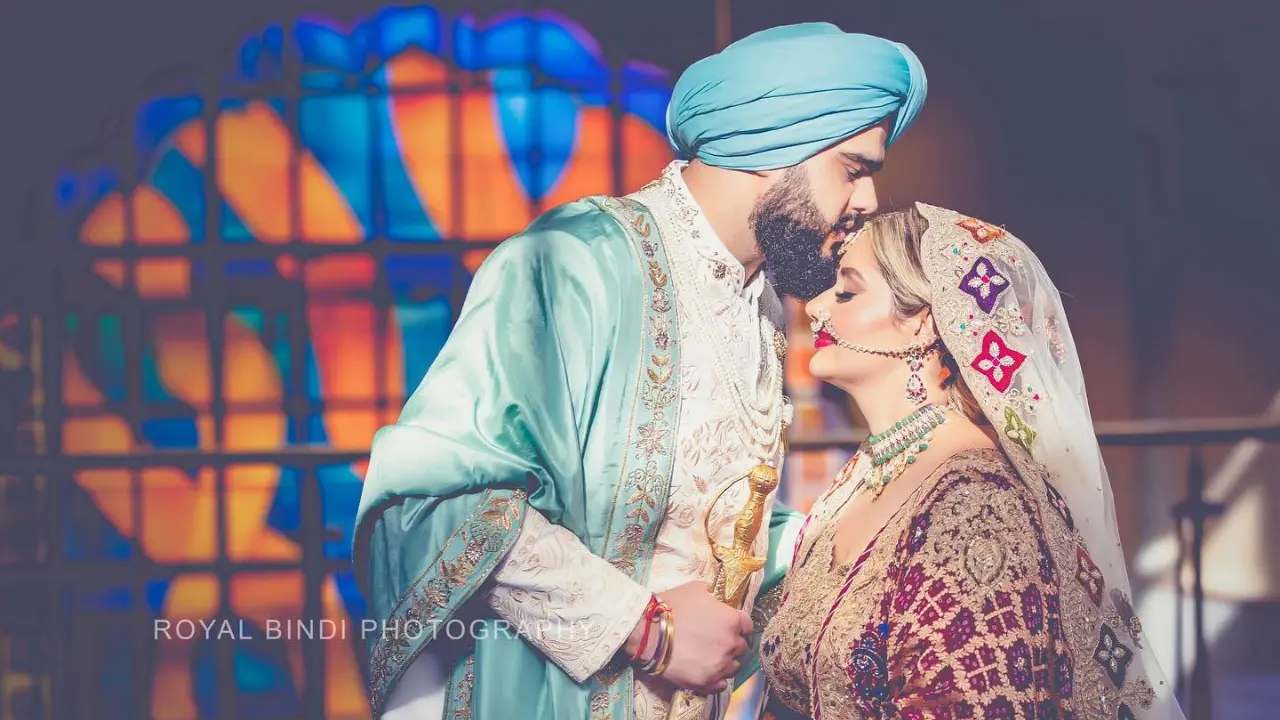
[(822, 339)]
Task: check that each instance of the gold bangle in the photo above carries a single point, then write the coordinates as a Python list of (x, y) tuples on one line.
[(660, 642), (669, 620)]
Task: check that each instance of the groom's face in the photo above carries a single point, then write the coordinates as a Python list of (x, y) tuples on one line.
[(812, 206)]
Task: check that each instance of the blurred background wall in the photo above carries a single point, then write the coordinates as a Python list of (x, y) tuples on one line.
[(235, 235)]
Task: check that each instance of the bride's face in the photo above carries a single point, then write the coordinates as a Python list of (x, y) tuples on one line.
[(857, 310)]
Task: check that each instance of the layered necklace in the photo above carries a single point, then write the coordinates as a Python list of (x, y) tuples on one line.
[(893, 450), (761, 416)]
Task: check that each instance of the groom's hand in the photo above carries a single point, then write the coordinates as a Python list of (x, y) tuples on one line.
[(709, 638)]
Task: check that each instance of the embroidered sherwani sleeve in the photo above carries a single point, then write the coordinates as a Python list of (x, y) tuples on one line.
[(491, 432), (974, 627), (570, 603)]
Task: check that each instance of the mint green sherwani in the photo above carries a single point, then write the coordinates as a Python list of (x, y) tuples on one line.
[(553, 388)]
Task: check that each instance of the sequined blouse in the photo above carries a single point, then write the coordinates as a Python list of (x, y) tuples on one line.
[(953, 610)]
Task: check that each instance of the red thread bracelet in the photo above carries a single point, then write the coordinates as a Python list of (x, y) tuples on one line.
[(652, 611), (648, 623)]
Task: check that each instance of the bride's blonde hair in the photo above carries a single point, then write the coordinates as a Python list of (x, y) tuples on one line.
[(895, 239)]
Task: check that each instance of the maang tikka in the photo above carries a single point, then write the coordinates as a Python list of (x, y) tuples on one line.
[(913, 354)]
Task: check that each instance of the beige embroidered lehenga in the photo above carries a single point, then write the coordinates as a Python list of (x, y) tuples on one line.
[(954, 609)]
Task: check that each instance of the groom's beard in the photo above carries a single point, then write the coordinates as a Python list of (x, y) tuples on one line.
[(791, 232)]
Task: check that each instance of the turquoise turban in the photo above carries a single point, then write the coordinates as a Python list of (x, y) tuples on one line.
[(776, 98)]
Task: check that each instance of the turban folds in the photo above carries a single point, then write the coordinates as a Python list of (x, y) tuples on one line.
[(776, 98)]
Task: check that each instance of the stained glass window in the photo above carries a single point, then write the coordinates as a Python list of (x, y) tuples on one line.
[(269, 287), (238, 308)]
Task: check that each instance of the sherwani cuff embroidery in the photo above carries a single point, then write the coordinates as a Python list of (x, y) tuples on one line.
[(630, 607), (570, 603)]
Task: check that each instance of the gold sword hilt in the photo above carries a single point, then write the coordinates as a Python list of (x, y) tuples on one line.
[(735, 565), (735, 562)]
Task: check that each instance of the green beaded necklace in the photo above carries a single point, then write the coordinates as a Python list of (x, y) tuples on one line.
[(896, 448)]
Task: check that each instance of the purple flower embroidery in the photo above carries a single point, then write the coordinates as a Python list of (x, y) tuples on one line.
[(985, 284)]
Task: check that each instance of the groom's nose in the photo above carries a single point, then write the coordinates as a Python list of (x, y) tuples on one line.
[(863, 200)]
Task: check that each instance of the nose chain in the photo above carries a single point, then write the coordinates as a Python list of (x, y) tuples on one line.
[(822, 322)]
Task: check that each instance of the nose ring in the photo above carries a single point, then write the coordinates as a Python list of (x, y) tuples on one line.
[(820, 318)]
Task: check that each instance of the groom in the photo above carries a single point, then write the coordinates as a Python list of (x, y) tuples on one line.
[(615, 367)]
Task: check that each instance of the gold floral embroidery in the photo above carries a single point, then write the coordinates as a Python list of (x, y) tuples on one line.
[(658, 392), (464, 561), (1090, 577), (700, 445), (641, 226), (992, 526), (659, 375), (653, 438), (780, 344), (984, 559), (645, 482), (658, 277), (601, 704), (765, 607), (1140, 694), (462, 693)]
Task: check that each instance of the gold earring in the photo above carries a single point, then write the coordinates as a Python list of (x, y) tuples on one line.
[(916, 391)]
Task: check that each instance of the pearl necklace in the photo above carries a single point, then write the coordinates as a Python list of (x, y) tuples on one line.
[(761, 421)]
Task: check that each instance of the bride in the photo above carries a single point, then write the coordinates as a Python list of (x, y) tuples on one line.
[(965, 563)]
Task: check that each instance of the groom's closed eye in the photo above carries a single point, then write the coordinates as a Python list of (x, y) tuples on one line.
[(861, 165)]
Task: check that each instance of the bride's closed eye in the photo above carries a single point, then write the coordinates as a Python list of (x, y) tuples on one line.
[(844, 296)]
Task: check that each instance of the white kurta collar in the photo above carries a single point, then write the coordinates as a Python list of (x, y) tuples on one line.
[(724, 269)]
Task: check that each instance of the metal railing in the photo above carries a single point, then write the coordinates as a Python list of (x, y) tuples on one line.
[(1191, 515), (1124, 433)]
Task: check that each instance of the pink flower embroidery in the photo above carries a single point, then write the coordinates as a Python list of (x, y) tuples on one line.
[(997, 361)]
